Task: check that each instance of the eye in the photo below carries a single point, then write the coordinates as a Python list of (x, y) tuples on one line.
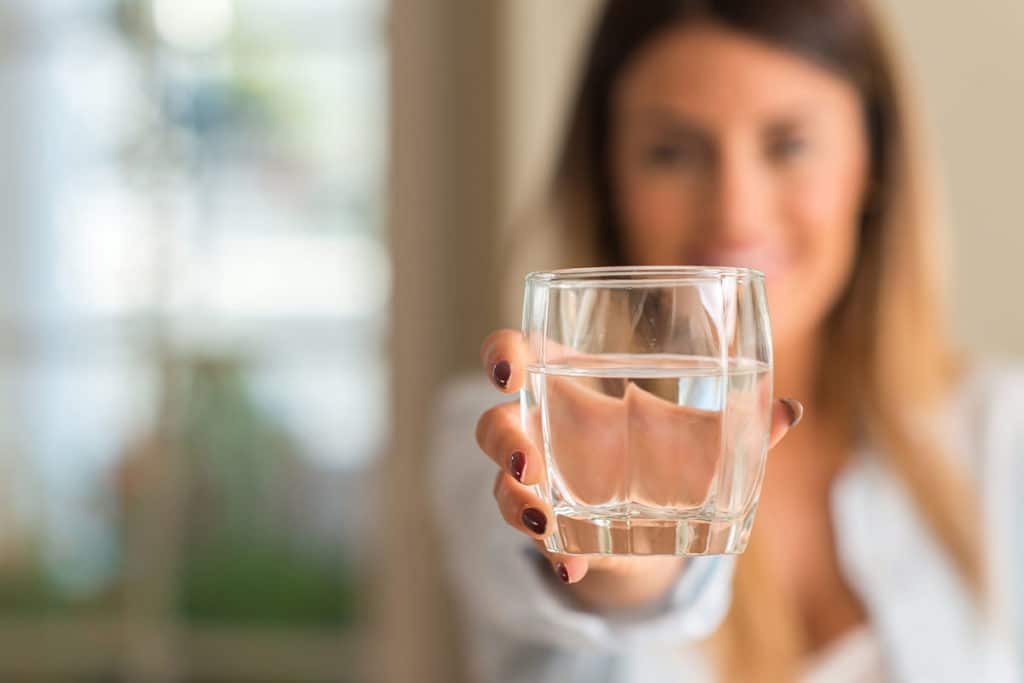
[(786, 147), (672, 154)]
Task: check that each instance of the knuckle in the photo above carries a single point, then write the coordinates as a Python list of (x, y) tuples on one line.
[(485, 426), (507, 416), (502, 427)]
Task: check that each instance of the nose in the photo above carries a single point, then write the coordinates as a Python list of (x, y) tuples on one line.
[(737, 196)]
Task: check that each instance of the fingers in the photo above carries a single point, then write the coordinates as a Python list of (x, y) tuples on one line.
[(524, 511), (520, 508), (568, 568), (500, 435), (786, 414), (504, 358)]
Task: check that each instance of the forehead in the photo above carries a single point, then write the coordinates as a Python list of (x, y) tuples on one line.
[(717, 75)]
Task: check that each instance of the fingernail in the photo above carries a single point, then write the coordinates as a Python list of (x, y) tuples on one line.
[(535, 520), (562, 572), (517, 464), (796, 411), (501, 371)]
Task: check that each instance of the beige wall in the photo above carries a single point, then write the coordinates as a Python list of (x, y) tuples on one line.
[(541, 46), (969, 62), (968, 57)]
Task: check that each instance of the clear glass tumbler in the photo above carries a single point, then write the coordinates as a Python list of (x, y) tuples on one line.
[(649, 391)]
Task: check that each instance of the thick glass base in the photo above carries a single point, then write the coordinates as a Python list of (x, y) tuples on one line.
[(590, 534)]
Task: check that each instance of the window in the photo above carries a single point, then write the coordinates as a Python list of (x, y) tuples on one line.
[(192, 369)]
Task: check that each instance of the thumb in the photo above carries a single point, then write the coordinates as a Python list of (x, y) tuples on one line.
[(786, 414)]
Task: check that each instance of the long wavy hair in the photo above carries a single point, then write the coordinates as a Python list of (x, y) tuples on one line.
[(888, 360)]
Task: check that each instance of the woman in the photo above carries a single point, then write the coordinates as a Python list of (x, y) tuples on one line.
[(776, 135)]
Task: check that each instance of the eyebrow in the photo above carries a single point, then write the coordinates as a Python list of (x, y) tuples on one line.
[(682, 125), (676, 123)]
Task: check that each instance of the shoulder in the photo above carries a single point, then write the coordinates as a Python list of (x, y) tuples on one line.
[(986, 423), (988, 404), (991, 403), (993, 378)]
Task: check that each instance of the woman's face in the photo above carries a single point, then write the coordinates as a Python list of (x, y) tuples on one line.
[(729, 151)]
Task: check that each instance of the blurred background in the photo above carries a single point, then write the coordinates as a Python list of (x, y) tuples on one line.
[(242, 244)]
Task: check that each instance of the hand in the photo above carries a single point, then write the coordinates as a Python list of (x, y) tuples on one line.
[(589, 460)]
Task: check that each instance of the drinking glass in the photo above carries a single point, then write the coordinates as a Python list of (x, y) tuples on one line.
[(649, 391)]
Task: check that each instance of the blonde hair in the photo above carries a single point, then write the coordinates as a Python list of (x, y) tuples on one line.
[(888, 360)]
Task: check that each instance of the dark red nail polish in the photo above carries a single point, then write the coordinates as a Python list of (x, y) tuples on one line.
[(563, 573), (535, 520), (501, 371), (796, 411), (517, 465)]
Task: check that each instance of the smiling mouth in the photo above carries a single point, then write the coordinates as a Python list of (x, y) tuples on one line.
[(769, 262)]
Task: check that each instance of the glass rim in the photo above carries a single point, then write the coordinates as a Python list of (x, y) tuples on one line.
[(640, 275)]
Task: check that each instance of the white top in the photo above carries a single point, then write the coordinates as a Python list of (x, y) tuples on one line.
[(923, 625), (855, 658)]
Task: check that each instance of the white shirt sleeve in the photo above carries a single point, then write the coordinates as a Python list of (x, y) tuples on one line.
[(504, 583), (995, 397)]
